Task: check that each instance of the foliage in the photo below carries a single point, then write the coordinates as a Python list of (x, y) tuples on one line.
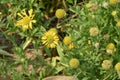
[(83, 42)]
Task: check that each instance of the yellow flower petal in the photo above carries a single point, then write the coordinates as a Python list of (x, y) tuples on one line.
[(34, 21), (24, 12), (25, 27), (19, 15), (30, 12), (30, 24)]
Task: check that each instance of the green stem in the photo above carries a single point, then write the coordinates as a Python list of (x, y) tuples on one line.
[(106, 78), (3, 52), (28, 41)]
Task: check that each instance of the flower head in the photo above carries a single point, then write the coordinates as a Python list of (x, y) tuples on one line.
[(118, 23), (114, 13), (106, 64), (27, 19), (105, 5), (89, 5), (94, 31), (71, 46), (110, 48), (113, 1), (67, 40), (50, 38), (117, 67), (60, 13), (74, 63)]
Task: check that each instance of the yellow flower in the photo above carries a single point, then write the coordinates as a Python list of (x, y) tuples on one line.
[(113, 1), (110, 48), (71, 46), (94, 31), (50, 38), (60, 13), (118, 23), (67, 40), (106, 64), (74, 63), (27, 20), (53, 30), (117, 67), (114, 13), (89, 5)]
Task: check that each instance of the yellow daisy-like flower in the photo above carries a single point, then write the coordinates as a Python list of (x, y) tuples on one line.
[(94, 31), (117, 67), (106, 64), (60, 13), (110, 48), (27, 19), (118, 23), (50, 38), (67, 40), (114, 13), (74, 63), (113, 1)]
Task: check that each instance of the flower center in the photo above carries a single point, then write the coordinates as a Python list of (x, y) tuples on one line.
[(26, 20), (50, 39)]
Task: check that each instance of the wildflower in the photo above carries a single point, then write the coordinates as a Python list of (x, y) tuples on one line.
[(67, 40), (89, 5), (27, 20), (50, 38), (110, 48), (106, 37), (117, 67), (71, 46), (53, 30), (113, 1), (97, 45), (105, 5), (93, 16), (114, 13), (106, 64), (94, 7), (94, 31), (60, 13), (74, 63), (118, 23)]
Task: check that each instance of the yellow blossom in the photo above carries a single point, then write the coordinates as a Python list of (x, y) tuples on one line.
[(71, 46), (117, 67), (60, 13), (106, 64), (89, 5), (110, 48), (27, 19), (94, 31), (74, 63), (114, 13), (118, 23), (113, 1), (50, 38), (67, 40), (53, 30)]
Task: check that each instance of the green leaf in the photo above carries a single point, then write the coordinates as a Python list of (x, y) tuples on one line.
[(60, 51)]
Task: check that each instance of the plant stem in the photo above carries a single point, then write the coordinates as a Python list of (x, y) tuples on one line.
[(27, 43)]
